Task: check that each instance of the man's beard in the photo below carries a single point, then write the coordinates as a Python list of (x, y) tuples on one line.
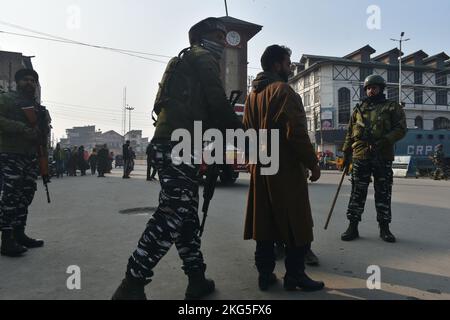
[(28, 90), (284, 76)]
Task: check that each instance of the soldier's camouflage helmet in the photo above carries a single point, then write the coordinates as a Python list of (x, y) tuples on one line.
[(375, 80), (205, 26), (440, 146)]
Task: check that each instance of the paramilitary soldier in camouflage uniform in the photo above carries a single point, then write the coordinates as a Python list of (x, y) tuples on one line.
[(18, 163), (439, 162), (375, 126), (191, 90)]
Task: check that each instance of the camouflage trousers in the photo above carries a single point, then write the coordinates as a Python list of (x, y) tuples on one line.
[(383, 180), (440, 172), (175, 221), (18, 174)]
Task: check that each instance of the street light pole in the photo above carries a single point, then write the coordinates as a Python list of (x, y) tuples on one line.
[(129, 116), (124, 115), (400, 41)]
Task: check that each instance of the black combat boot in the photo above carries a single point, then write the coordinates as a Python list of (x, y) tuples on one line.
[(131, 289), (199, 286), (301, 281), (265, 280), (24, 240), (351, 233), (10, 247), (385, 233)]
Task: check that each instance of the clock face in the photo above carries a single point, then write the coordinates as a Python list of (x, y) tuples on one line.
[(233, 38)]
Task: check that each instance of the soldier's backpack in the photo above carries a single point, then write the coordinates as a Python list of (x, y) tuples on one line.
[(176, 86)]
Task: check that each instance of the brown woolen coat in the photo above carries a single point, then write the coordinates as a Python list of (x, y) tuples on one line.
[(278, 206)]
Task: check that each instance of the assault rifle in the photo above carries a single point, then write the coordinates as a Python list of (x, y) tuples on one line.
[(213, 172), (37, 117)]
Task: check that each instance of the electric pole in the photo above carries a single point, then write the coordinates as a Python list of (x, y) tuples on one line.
[(400, 41), (124, 115), (129, 115)]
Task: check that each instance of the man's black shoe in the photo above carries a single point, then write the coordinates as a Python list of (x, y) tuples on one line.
[(303, 282), (266, 280)]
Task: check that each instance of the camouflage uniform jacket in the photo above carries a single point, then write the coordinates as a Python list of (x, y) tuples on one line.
[(15, 131), (387, 122)]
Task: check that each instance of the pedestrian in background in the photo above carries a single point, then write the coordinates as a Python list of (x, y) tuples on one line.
[(151, 170), (82, 164), (103, 161), (73, 162), (59, 158), (126, 159), (93, 161)]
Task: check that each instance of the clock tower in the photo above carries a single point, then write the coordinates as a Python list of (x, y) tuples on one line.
[(234, 62)]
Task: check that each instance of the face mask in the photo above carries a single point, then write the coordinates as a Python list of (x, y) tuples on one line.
[(215, 48), (381, 97)]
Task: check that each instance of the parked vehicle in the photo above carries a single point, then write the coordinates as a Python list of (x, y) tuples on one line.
[(118, 163), (229, 173), (420, 145)]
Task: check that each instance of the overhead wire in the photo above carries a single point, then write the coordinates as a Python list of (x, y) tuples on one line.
[(54, 38), (89, 108)]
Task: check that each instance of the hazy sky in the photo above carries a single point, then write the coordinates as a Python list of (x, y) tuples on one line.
[(84, 86)]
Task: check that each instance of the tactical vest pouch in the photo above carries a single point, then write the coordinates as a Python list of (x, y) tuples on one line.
[(175, 88), (162, 95)]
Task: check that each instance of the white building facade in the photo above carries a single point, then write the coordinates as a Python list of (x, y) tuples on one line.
[(331, 87)]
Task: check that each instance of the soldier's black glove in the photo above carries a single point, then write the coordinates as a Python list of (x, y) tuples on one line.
[(46, 179), (347, 158)]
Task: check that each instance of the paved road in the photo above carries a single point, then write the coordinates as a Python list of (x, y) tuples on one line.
[(83, 227)]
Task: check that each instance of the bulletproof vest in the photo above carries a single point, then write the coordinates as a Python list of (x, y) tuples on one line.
[(376, 122), (177, 85), (42, 114)]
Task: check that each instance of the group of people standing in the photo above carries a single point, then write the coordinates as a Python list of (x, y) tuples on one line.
[(278, 209), (69, 160), (128, 161)]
